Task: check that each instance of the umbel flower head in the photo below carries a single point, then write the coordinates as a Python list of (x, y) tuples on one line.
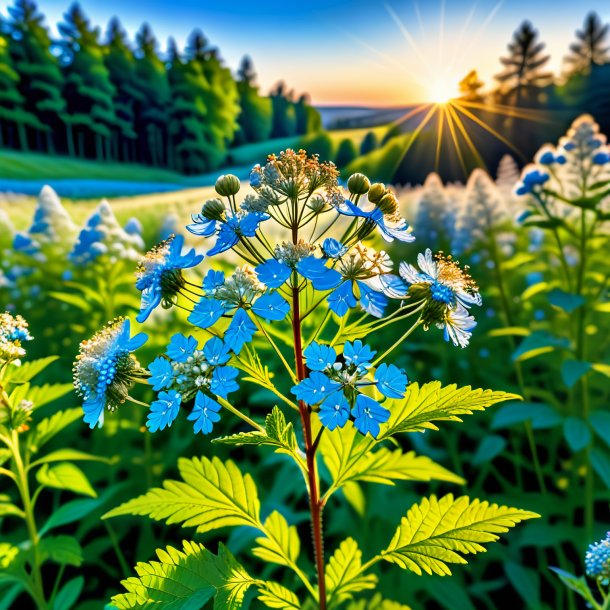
[(447, 290), (159, 274), (185, 372), (597, 560), (13, 333), (105, 369)]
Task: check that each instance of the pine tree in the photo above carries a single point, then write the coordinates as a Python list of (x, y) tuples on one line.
[(523, 65), (88, 90), (220, 97), (41, 82), (151, 107), (284, 115), (346, 153), (308, 118), (255, 119), (369, 143), (13, 115), (470, 87), (121, 65), (590, 47)]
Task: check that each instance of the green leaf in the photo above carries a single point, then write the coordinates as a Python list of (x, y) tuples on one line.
[(437, 532), (600, 422), (68, 595), (376, 603), (577, 433), (343, 576), (64, 550), (50, 426), (44, 394), (212, 494), (432, 402), (565, 300), (7, 509), (542, 416), (73, 455), (65, 476), (186, 580), (355, 497), (601, 464), (490, 447), (349, 457), (573, 370), (281, 543), (526, 582), (28, 370), (274, 595), (511, 331), (72, 299), (538, 343), (578, 584)]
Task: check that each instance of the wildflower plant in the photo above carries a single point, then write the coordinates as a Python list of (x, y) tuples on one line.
[(32, 555), (311, 292)]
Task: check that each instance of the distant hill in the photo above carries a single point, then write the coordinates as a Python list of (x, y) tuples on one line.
[(348, 117)]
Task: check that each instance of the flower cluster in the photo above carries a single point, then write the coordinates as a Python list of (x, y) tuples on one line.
[(448, 292), (185, 372), (597, 560), (13, 333), (105, 369), (337, 384)]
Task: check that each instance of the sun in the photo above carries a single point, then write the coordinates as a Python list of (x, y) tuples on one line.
[(442, 91)]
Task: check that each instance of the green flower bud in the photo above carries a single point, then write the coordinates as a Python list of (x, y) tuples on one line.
[(213, 209), (358, 184), (227, 185), (376, 192), (317, 204), (388, 204)]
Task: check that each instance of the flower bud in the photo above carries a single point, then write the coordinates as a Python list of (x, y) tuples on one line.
[(213, 209), (388, 204), (317, 204), (227, 185), (358, 184), (376, 192)]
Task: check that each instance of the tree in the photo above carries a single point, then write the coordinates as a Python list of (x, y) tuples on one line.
[(590, 46), (12, 103), (88, 90), (284, 115), (308, 118), (523, 65), (346, 153), (470, 87), (369, 143), (256, 116), (121, 65), (41, 81), (220, 97), (150, 110)]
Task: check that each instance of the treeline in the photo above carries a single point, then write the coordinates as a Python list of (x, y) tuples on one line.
[(100, 96)]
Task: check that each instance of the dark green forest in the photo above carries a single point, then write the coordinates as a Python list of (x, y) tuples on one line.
[(102, 96)]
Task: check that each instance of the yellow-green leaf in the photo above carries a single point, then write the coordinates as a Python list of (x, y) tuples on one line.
[(281, 542), (276, 596), (65, 476)]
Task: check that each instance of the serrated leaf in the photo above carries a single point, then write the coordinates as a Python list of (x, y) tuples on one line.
[(274, 595), (212, 494), (64, 550), (186, 579), (65, 476), (432, 402), (50, 426), (343, 576), (349, 457), (437, 532), (376, 603), (281, 543), (28, 370)]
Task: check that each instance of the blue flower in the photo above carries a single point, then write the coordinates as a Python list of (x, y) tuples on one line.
[(530, 180), (315, 388), (213, 279), (105, 370), (601, 158), (597, 560), (334, 411), (319, 357), (204, 413), (240, 331), (333, 248), (390, 228), (274, 273), (181, 347), (216, 351), (163, 411), (358, 354), (342, 299), (159, 275), (255, 179), (206, 312), (391, 381), (368, 414), (271, 306), (161, 373), (458, 325), (223, 381)]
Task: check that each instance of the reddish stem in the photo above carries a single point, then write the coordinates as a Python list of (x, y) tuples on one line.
[(310, 451)]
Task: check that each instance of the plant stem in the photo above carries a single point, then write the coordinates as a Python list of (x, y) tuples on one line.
[(310, 448)]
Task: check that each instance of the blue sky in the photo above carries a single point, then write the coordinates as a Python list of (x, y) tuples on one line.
[(358, 52)]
